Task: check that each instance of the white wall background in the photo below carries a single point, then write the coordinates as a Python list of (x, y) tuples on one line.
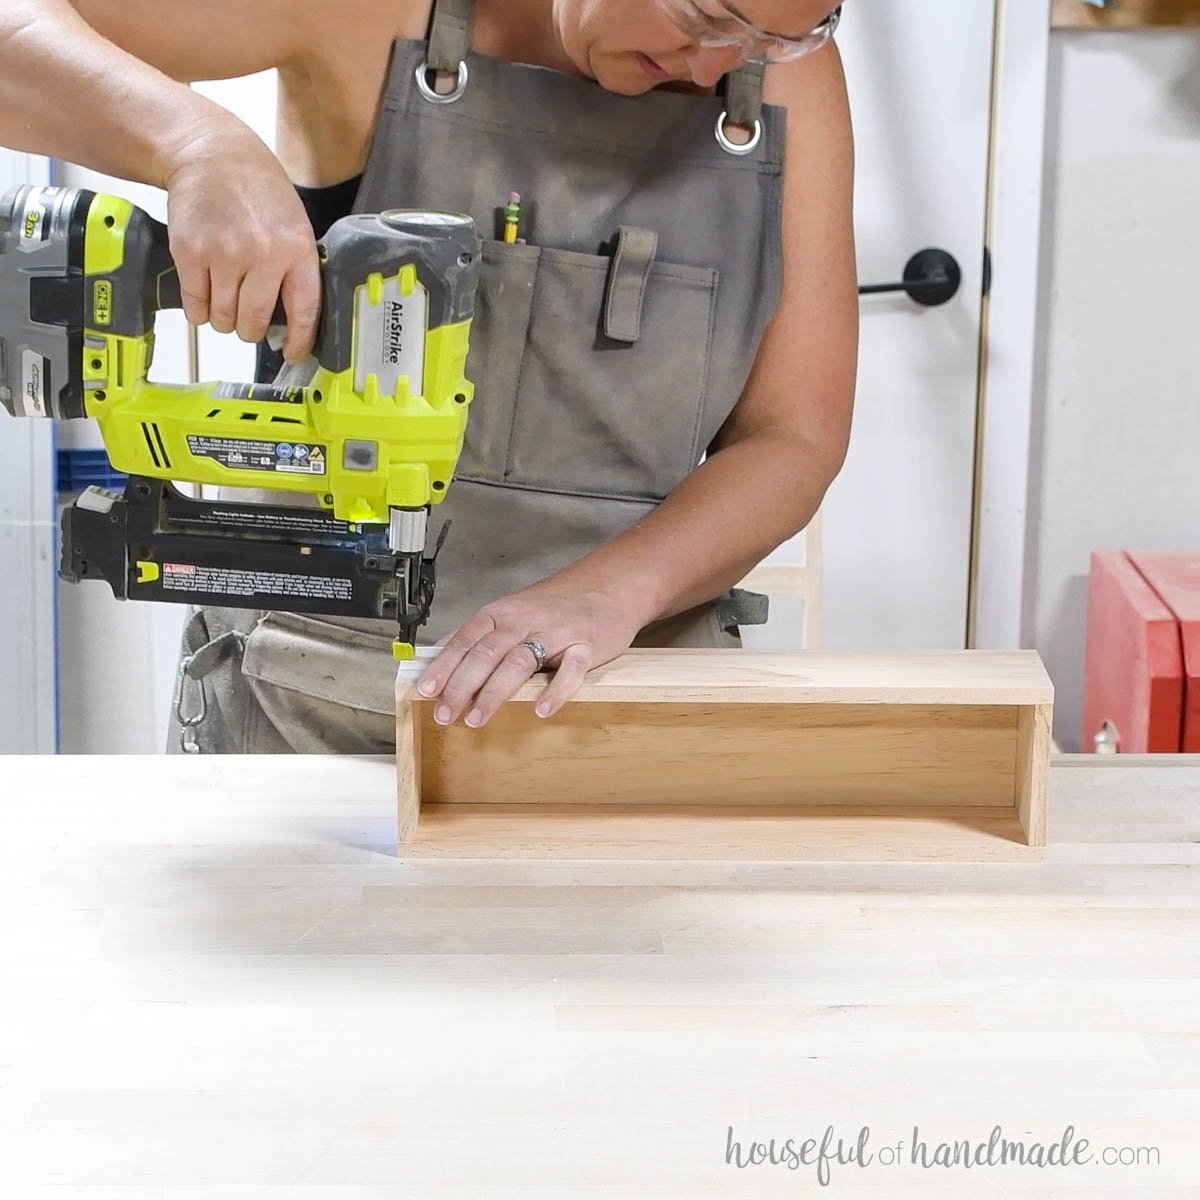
[(28, 553), (1116, 439)]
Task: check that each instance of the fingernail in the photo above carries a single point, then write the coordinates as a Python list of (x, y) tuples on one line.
[(543, 709), (442, 715), (475, 718), (427, 687)]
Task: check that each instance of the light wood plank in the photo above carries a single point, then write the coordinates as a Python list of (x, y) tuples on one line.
[(408, 770), (699, 676), (726, 832), (814, 583)]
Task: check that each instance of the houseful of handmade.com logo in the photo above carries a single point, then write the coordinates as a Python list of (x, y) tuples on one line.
[(998, 1150)]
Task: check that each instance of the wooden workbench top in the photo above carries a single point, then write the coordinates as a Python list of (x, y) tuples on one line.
[(219, 981)]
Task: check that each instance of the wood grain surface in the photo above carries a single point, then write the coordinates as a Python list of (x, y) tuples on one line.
[(220, 984), (740, 754), (799, 677)]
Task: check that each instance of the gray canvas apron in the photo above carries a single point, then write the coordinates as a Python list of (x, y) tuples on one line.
[(606, 352)]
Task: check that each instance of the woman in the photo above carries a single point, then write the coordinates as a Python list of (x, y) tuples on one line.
[(687, 290)]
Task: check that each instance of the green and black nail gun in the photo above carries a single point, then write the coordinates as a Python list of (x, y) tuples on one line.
[(374, 437)]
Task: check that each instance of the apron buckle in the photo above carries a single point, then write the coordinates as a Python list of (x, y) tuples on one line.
[(194, 668)]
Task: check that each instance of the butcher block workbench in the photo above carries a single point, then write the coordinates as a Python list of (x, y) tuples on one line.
[(219, 980)]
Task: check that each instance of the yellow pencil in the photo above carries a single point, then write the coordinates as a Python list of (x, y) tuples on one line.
[(512, 217)]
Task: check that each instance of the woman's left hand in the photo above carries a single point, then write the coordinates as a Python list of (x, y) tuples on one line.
[(483, 663)]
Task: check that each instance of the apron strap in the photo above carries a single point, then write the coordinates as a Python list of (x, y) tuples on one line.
[(739, 607), (449, 34), (743, 94), (450, 39), (627, 278)]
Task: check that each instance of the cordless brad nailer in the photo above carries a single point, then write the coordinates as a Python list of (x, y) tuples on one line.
[(375, 436)]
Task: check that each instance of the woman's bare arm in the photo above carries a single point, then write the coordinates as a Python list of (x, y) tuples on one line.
[(103, 83)]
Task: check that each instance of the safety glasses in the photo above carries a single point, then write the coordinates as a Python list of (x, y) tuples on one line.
[(712, 25)]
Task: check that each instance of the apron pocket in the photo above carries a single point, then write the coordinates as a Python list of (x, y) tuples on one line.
[(595, 416), (562, 407), (345, 667), (499, 329)]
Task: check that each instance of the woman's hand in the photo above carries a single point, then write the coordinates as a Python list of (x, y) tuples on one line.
[(240, 237), (483, 663)]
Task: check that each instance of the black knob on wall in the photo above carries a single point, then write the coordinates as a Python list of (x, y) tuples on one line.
[(931, 277)]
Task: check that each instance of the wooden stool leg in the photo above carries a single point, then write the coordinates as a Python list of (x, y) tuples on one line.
[(408, 770)]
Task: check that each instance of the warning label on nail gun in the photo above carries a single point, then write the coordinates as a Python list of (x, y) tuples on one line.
[(229, 581), (248, 454)]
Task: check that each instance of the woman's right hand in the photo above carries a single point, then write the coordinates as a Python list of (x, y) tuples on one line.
[(241, 239)]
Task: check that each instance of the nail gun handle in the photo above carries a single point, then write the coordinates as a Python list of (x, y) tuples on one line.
[(162, 276)]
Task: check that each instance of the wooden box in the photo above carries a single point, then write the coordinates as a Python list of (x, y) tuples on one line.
[(742, 754)]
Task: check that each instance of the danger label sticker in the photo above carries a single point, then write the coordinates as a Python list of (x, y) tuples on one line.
[(230, 581), (249, 454)]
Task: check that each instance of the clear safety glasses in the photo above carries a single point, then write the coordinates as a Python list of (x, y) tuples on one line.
[(711, 25)]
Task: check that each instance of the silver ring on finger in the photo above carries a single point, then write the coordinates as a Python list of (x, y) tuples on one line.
[(537, 650)]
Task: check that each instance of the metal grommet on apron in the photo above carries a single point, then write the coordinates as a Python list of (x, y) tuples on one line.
[(731, 147), (743, 108), (436, 97), (607, 351), (449, 40)]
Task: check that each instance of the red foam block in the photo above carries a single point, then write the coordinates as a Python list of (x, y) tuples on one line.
[(1133, 665), (1175, 576)]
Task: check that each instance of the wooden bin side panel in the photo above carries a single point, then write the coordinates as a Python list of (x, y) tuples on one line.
[(736, 754), (1033, 770), (408, 769)]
